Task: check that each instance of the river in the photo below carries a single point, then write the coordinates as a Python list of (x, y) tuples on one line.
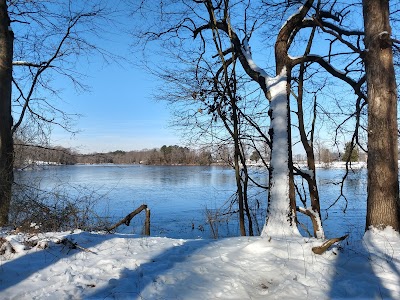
[(178, 196)]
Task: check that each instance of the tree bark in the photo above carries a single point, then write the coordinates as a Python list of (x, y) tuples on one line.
[(238, 180), (383, 184), (6, 139)]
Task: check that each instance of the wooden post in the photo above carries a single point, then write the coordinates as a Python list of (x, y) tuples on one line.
[(147, 223)]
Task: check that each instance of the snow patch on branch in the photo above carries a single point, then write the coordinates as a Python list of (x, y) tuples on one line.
[(246, 50), (293, 57), (28, 64), (308, 172), (319, 232), (383, 33), (21, 63), (292, 16)]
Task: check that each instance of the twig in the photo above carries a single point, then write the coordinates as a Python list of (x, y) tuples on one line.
[(71, 245)]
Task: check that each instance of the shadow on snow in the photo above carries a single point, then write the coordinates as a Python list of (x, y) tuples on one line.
[(15, 271), (132, 283), (355, 277)]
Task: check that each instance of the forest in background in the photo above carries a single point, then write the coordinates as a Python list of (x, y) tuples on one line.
[(26, 156)]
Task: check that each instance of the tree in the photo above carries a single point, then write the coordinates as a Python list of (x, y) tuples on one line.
[(350, 153), (326, 156), (6, 140), (218, 23), (383, 207), (49, 40), (255, 156), (281, 219)]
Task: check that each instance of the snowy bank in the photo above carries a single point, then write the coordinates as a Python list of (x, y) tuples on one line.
[(123, 266)]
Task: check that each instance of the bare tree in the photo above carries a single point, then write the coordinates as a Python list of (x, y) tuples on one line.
[(209, 19), (49, 39)]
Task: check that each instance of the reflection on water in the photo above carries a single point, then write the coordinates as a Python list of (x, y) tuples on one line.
[(178, 195)]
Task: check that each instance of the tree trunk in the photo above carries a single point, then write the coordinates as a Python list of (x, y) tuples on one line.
[(281, 196), (245, 180), (308, 147), (238, 182), (383, 185), (6, 140), (281, 217)]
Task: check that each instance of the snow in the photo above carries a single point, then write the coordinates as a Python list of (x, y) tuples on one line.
[(332, 165), (383, 33), (277, 223), (308, 172), (293, 57), (246, 50), (125, 266), (20, 62), (292, 16), (320, 232)]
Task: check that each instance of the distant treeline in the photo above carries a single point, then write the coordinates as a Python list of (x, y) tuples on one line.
[(166, 155)]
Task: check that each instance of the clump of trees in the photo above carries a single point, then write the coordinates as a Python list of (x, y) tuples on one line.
[(166, 155), (26, 156)]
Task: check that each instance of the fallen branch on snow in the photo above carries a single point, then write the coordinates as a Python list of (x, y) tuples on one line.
[(71, 245), (325, 246)]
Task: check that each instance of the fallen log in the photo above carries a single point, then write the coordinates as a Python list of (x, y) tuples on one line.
[(325, 246)]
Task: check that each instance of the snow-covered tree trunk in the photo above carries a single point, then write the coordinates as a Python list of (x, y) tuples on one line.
[(281, 219), (281, 216)]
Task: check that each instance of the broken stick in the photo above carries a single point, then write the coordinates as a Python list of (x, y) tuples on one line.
[(128, 218)]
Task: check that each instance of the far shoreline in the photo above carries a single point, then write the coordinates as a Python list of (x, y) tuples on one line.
[(35, 165)]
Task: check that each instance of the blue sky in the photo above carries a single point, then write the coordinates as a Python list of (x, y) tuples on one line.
[(119, 112)]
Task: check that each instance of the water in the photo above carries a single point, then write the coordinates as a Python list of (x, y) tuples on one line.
[(178, 196), (348, 214)]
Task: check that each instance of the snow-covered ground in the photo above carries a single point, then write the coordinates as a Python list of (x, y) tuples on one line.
[(330, 165), (124, 266)]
